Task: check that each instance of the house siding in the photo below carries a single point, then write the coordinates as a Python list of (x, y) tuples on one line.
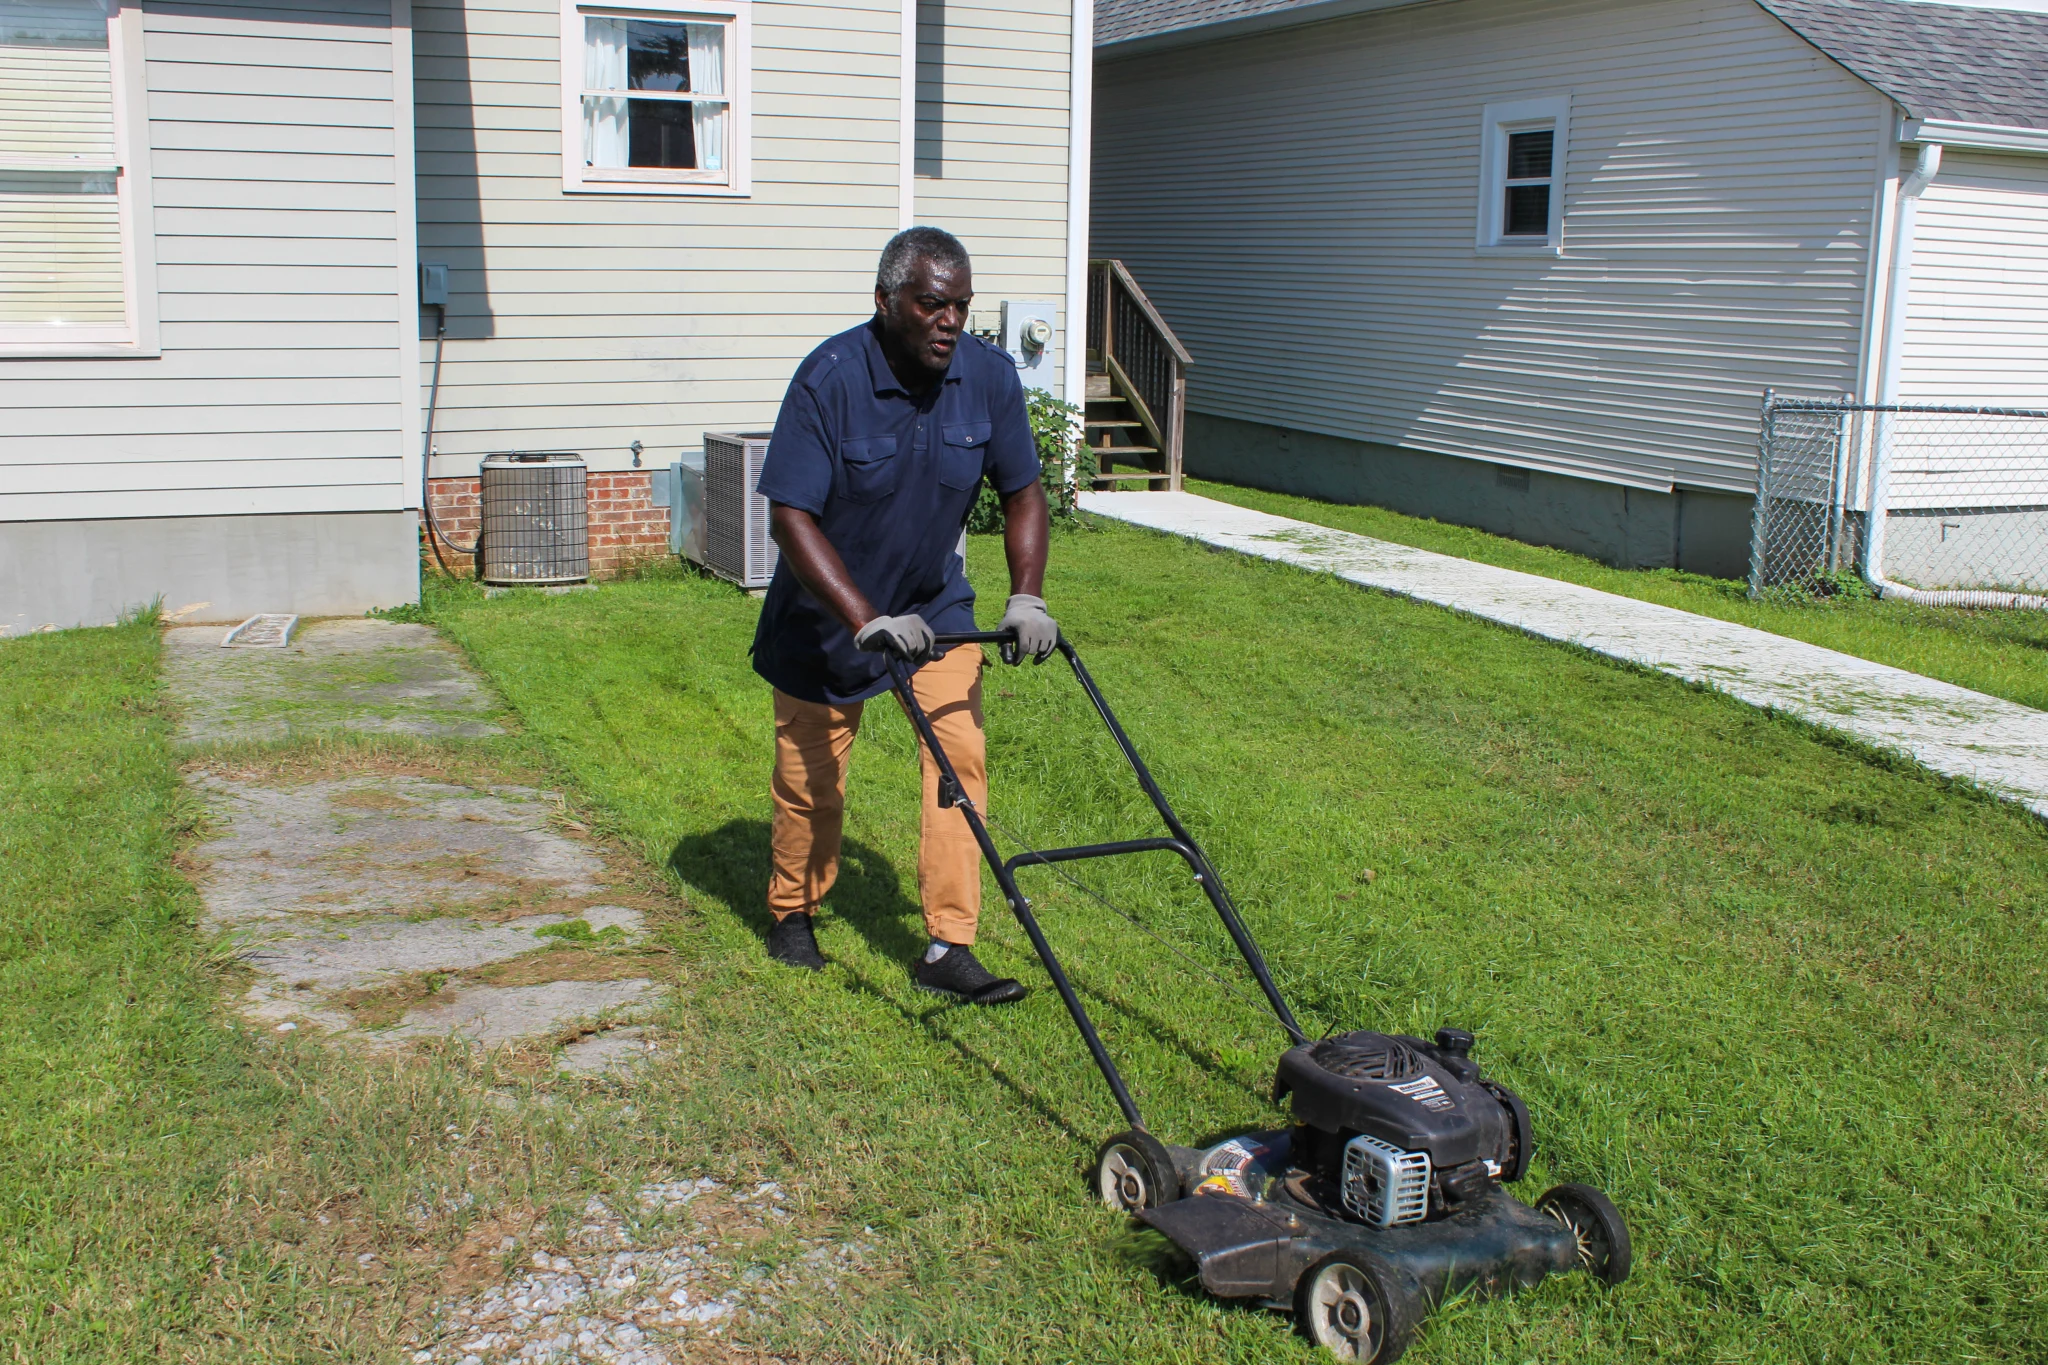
[(586, 322), (1976, 327), (272, 151), (1311, 235), (993, 104)]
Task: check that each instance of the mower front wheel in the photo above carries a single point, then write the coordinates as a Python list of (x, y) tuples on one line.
[(1134, 1171), (1361, 1309), (1604, 1249)]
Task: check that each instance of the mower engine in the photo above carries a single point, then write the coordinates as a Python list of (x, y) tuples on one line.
[(1391, 1130)]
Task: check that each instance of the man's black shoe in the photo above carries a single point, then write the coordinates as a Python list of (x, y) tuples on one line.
[(957, 974), (791, 942)]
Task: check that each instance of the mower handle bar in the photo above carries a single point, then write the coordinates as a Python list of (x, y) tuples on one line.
[(951, 793)]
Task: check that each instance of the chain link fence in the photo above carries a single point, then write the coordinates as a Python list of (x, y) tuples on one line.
[(1939, 505)]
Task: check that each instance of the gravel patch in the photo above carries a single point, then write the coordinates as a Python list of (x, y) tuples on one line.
[(660, 1288)]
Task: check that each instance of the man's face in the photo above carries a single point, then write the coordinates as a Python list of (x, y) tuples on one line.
[(926, 316)]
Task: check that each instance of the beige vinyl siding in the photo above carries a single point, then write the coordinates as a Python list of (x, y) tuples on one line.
[(1977, 312), (277, 389), (1309, 231), (992, 140), (588, 321)]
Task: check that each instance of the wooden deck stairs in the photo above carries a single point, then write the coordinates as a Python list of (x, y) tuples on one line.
[(1137, 385)]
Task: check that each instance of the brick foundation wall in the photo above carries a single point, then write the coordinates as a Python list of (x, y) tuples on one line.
[(625, 525)]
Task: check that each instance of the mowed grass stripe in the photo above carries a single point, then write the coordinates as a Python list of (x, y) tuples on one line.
[(1782, 999)]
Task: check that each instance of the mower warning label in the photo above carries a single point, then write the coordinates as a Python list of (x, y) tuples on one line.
[(1426, 1092)]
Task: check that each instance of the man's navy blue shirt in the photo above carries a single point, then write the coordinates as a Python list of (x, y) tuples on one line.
[(890, 478)]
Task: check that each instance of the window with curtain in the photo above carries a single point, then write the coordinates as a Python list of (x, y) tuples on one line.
[(656, 103), (61, 257)]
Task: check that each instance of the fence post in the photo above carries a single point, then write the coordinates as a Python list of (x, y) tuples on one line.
[(1759, 522)]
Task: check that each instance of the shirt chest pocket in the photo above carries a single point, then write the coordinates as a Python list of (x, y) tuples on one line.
[(871, 467), (961, 456)]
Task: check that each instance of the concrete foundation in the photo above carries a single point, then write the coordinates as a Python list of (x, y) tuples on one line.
[(1694, 530), (206, 569), (2003, 550)]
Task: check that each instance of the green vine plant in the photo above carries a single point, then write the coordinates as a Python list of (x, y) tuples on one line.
[(1066, 464)]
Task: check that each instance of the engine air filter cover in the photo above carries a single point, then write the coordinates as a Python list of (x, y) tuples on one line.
[(1410, 1095)]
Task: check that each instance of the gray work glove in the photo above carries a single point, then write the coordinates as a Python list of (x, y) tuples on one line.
[(907, 637), (1037, 634)]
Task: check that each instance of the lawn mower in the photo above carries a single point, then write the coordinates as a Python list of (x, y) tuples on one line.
[(1383, 1198)]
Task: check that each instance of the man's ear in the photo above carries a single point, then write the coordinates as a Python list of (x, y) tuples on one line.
[(881, 301)]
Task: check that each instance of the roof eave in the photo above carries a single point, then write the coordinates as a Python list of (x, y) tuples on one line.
[(1292, 17)]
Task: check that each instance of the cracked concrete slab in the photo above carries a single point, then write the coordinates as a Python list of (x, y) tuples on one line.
[(350, 885), (384, 677), (492, 1015), (613, 1052), (1999, 745), (382, 843)]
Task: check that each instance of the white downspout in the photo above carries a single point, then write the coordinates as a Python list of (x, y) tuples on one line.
[(906, 141), (1080, 167), (1910, 190)]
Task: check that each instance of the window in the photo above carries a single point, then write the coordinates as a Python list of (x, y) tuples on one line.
[(67, 221), (654, 99), (1521, 175)]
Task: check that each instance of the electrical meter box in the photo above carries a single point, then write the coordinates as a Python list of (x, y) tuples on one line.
[(1030, 334)]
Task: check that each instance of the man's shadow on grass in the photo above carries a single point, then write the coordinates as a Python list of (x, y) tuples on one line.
[(732, 861)]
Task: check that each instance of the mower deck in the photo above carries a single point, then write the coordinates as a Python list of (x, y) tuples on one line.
[(1246, 1250)]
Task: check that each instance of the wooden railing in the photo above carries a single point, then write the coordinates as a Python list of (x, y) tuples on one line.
[(1131, 343)]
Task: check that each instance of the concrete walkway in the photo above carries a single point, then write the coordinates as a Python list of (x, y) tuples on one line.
[(384, 901), (2000, 745)]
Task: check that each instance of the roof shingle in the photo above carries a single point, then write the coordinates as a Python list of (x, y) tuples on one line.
[(1938, 61)]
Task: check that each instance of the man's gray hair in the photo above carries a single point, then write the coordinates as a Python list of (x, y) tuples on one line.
[(912, 245)]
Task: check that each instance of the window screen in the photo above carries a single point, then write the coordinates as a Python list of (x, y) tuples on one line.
[(60, 217)]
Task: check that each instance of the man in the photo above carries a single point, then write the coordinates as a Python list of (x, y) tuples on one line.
[(885, 437)]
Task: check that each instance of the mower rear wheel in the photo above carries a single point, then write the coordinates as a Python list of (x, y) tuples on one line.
[(1134, 1171), (1604, 1250), (1359, 1308)]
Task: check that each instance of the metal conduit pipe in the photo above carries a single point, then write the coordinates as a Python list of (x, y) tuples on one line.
[(1925, 168)]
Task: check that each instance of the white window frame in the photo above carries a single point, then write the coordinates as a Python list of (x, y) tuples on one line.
[(137, 336), (1497, 122), (642, 180)]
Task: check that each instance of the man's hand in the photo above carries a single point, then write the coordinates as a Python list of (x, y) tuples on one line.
[(907, 637), (1038, 635)]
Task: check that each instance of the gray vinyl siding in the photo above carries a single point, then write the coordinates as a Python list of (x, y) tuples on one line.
[(992, 139), (271, 147), (1977, 314), (1309, 232), (587, 321)]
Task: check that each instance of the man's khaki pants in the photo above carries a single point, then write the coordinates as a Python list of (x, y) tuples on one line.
[(813, 742)]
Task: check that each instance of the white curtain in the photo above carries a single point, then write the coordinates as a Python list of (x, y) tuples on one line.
[(605, 141), (707, 77)]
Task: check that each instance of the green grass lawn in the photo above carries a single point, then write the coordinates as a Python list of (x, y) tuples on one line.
[(1783, 1000), (174, 1187), (2003, 653)]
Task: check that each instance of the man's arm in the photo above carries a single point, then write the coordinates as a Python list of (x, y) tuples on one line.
[(1026, 527), (820, 569)]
